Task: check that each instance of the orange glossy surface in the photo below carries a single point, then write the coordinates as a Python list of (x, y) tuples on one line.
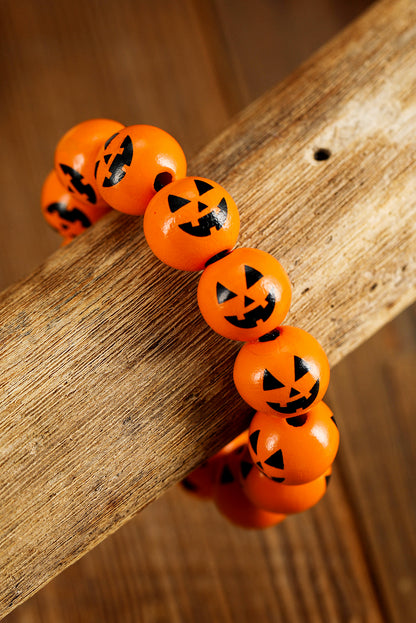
[(68, 216), (190, 221), (76, 156), (231, 501), (294, 450), (285, 375), (276, 497), (137, 163), (245, 294)]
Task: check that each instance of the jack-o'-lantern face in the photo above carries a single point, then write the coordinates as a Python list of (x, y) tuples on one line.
[(63, 212), (116, 162), (285, 375), (189, 221), (75, 158), (255, 310), (297, 389), (68, 220), (297, 449), (207, 211), (134, 164), (244, 294)]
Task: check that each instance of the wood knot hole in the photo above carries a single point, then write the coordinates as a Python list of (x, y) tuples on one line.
[(322, 154)]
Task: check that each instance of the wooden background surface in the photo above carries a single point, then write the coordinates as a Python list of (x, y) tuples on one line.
[(188, 66)]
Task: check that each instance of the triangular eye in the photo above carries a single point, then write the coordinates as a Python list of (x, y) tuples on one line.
[(223, 205), (223, 293), (270, 382), (275, 460), (175, 203), (253, 439), (203, 187), (252, 276), (301, 368), (245, 468), (226, 476)]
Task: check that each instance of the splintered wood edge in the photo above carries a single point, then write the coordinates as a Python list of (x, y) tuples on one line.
[(112, 387)]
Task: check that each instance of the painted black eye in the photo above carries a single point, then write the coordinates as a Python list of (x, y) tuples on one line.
[(270, 382), (223, 293), (252, 276), (176, 203), (301, 368)]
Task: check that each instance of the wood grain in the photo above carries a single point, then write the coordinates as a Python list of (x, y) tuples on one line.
[(58, 265)]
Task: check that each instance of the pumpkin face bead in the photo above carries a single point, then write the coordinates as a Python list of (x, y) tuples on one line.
[(63, 212), (190, 221), (76, 155), (297, 449), (277, 497), (200, 482), (231, 501), (134, 164), (284, 373), (245, 294)]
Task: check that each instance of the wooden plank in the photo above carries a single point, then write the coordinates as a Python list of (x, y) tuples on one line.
[(180, 561), (263, 154), (375, 393)]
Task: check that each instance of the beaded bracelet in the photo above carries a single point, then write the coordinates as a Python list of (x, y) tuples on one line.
[(281, 465)]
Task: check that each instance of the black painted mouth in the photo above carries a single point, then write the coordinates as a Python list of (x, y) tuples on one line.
[(252, 317), (121, 160), (294, 405), (214, 219)]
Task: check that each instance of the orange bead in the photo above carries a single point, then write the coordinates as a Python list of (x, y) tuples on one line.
[(200, 482), (135, 164), (76, 155), (276, 497), (233, 503), (190, 221), (63, 212), (295, 450), (244, 295), (284, 373)]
